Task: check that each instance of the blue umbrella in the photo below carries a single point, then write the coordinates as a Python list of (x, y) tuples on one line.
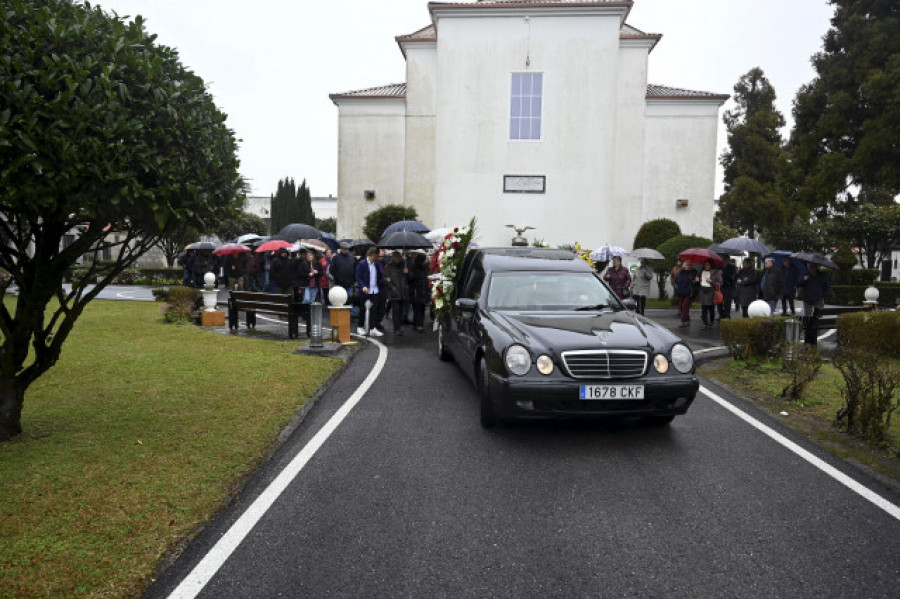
[(779, 255), (405, 225), (331, 241)]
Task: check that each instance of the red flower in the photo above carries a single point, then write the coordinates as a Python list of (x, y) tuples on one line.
[(455, 245), (440, 292), (456, 230)]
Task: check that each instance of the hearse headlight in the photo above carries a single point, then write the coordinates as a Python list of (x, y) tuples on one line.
[(518, 360), (682, 358), (544, 364)]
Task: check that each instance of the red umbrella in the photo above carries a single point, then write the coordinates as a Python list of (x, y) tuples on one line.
[(229, 248), (274, 246), (701, 255)]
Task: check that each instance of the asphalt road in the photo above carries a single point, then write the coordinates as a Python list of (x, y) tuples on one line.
[(410, 497)]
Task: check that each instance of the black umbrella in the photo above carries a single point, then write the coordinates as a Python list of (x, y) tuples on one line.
[(815, 258), (202, 245), (404, 240), (331, 241), (405, 225), (359, 244), (297, 231)]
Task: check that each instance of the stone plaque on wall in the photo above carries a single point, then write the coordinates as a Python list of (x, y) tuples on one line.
[(524, 183)]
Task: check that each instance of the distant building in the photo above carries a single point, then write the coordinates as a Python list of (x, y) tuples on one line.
[(530, 113), (261, 206)]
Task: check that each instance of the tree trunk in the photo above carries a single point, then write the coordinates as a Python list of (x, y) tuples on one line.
[(12, 397)]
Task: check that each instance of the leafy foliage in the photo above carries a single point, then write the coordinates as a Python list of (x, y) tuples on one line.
[(753, 337), (241, 224), (870, 385), (654, 233), (873, 228), (755, 162), (847, 119), (381, 218), (291, 204), (327, 225), (106, 137)]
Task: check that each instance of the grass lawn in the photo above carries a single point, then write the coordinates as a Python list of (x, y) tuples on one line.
[(138, 436), (813, 414)]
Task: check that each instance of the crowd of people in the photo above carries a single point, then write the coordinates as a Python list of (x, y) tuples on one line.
[(720, 288)]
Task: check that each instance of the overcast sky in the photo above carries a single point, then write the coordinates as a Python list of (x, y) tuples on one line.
[(270, 64)]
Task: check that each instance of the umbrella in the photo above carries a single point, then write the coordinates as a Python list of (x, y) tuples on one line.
[(313, 244), (274, 245), (201, 245), (404, 240), (229, 248), (296, 231), (331, 241), (362, 243), (744, 244), (701, 255), (648, 253), (814, 258), (779, 255), (248, 238), (607, 253), (405, 225)]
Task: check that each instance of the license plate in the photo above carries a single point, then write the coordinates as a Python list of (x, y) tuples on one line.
[(615, 392)]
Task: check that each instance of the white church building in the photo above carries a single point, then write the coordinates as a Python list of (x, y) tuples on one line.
[(534, 113)]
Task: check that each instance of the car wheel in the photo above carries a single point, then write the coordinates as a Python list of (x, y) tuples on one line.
[(658, 420), (443, 354), (488, 416)]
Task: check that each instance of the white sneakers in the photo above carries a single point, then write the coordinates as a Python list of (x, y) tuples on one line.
[(374, 332)]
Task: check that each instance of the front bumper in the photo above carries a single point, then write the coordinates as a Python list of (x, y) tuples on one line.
[(534, 398)]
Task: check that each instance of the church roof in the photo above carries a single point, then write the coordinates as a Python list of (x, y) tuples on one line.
[(654, 92), (664, 92)]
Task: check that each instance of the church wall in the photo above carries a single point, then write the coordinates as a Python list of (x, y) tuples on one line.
[(421, 69), (371, 149), (579, 59), (680, 163)]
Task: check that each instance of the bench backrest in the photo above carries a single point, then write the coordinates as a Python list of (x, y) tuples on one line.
[(273, 303)]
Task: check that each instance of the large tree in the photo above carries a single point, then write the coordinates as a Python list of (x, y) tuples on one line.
[(101, 130), (847, 119), (755, 163), (241, 224), (872, 229), (291, 204)]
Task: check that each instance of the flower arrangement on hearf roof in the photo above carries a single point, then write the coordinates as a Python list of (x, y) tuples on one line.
[(445, 267), (584, 254)]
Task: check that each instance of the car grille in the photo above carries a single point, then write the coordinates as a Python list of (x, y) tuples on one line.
[(605, 364)]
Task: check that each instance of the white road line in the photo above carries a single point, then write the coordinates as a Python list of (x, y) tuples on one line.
[(831, 471), (204, 571)]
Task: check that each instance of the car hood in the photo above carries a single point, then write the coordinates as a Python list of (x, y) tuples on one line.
[(557, 332)]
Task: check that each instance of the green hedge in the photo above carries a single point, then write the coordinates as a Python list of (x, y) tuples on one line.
[(753, 337), (854, 295), (135, 276), (874, 332)]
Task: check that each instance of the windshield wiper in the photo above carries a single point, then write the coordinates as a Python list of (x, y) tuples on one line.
[(594, 307)]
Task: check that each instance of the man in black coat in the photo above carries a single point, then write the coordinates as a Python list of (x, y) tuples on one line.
[(343, 272)]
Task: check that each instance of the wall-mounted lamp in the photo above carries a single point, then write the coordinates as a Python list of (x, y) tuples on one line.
[(369, 194), (681, 203)]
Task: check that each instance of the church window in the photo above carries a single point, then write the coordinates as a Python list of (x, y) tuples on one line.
[(526, 105)]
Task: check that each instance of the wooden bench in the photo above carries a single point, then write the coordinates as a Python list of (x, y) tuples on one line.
[(280, 304)]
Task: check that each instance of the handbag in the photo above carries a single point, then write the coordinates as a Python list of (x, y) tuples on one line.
[(718, 298)]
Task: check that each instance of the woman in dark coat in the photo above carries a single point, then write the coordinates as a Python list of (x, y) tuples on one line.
[(282, 272), (746, 286), (395, 279), (618, 277), (420, 294)]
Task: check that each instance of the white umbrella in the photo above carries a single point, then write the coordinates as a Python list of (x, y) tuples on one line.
[(648, 253), (607, 253)]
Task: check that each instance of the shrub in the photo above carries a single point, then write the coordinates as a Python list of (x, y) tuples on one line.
[(670, 249), (378, 220), (753, 337), (854, 295), (180, 303), (803, 367), (875, 332), (869, 389), (654, 233)]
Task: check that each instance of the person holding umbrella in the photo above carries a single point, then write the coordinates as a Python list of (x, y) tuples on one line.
[(396, 280), (790, 273), (618, 278), (746, 286), (281, 273), (729, 274), (772, 285), (369, 281), (640, 287), (683, 284), (816, 288)]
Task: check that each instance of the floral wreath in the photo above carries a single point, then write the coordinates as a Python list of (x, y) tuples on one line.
[(445, 268)]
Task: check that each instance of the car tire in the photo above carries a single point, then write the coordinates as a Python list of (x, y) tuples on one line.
[(488, 415), (443, 354), (659, 420)]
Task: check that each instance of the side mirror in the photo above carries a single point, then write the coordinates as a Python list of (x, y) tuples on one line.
[(465, 304), (630, 304)]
